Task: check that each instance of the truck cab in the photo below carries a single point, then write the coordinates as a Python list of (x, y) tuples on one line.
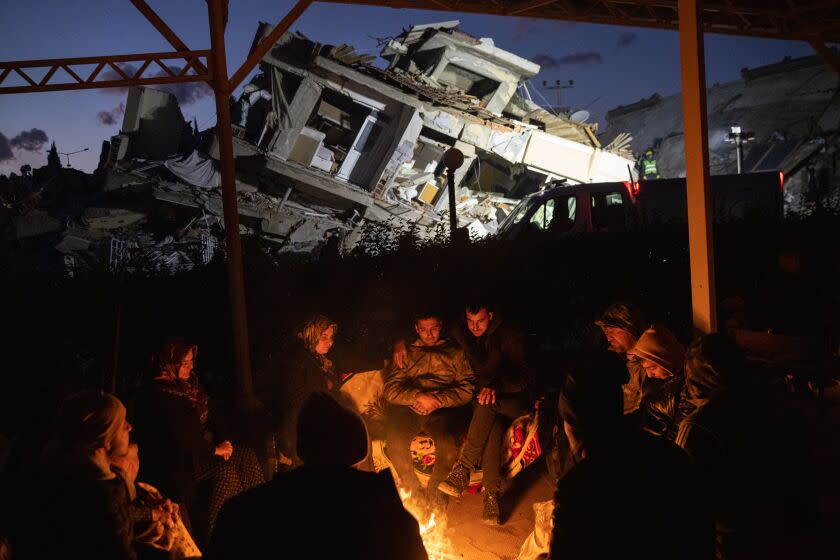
[(562, 210)]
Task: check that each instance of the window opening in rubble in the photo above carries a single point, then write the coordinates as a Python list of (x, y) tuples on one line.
[(340, 119), (469, 82), (608, 212), (422, 176)]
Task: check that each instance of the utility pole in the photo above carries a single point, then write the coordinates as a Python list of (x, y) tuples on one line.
[(739, 138), (558, 86), (452, 159), (68, 154)]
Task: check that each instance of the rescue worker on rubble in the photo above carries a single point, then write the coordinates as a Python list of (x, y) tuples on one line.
[(647, 166), (428, 391), (503, 392)]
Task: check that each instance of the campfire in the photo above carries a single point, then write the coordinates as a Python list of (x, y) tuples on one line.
[(432, 530)]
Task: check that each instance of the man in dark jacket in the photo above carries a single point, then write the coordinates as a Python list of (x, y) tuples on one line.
[(325, 508), (503, 392), (622, 498), (428, 394), (622, 324)]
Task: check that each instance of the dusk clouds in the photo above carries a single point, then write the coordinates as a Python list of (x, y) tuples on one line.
[(112, 117), (584, 58), (29, 140), (186, 93), (627, 38)]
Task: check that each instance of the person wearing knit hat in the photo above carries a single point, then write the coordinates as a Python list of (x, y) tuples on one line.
[(90, 427), (76, 505), (622, 324), (621, 498), (663, 358), (324, 508)]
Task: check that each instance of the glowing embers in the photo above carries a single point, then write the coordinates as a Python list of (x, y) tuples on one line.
[(432, 528)]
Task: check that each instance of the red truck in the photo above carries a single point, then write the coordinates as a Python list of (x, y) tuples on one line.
[(647, 206)]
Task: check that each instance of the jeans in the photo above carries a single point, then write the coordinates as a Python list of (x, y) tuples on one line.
[(443, 426), (486, 432)]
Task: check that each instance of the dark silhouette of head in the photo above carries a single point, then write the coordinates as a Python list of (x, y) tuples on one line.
[(591, 403), (328, 433)]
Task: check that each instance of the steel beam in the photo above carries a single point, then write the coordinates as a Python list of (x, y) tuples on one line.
[(700, 226), (224, 134), (164, 29), (266, 44), (126, 78)]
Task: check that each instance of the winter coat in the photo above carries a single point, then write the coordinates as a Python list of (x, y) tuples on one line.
[(752, 468), (63, 517), (286, 380), (498, 357), (173, 441), (622, 503), (664, 405), (442, 369), (316, 512)]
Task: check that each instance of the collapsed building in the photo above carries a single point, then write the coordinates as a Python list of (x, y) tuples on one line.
[(325, 140), (793, 109)]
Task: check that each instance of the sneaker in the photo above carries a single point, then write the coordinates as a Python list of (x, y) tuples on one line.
[(491, 514), (456, 482)]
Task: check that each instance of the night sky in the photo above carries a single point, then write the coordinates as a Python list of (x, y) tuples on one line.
[(610, 65)]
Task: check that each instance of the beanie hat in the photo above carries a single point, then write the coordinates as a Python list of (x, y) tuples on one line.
[(329, 433), (660, 346)]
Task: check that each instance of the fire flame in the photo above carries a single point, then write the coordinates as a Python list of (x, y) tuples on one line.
[(432, 531)]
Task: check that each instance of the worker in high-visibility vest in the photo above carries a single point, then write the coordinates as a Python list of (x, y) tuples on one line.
[(647, 166)]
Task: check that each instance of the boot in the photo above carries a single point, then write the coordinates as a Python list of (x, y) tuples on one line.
[(456, 482), (491, 514)]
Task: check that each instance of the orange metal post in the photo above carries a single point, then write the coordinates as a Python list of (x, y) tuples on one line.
[(829, 56), (242, 353), (164, 29), (700, 238), (268, 42)]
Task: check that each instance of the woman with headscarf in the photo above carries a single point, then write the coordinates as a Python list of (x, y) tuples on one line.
[(292, 375), (180, 448), (663, 358), (76, 505)]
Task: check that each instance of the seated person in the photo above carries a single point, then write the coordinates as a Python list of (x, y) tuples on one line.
[(664, 403), (622, 498), (622, 324), (159, 532), (324, 508), (76, 505), (427, 394), (503, 392)]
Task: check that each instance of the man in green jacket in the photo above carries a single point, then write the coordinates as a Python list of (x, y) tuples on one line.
[(429, 394)]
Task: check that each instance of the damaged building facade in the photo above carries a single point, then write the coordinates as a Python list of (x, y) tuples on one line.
[(793, 109), (326, 141), (341, 130)]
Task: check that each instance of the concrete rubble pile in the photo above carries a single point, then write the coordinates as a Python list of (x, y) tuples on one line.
[(326, 141), (793, 109)]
